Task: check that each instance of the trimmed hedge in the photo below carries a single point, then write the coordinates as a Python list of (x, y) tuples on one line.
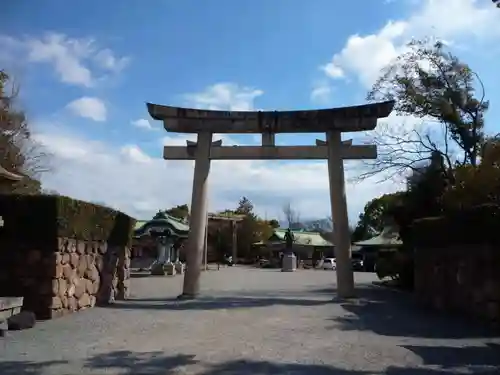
[(41, 219), (477, 225)]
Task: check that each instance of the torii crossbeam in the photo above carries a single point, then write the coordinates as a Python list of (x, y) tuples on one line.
[(330, 121)]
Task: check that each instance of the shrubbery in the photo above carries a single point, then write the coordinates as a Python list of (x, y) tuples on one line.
[(41, 219), (476, 185)]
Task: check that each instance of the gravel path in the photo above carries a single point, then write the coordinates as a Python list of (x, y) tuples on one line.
[(253, 321)]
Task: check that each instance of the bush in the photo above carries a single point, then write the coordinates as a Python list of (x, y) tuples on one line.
[(472, 225), (397, 265), (475, 186), (41, 219), (386, 267)]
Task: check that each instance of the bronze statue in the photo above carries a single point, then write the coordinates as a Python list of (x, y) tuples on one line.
[(289, 240)]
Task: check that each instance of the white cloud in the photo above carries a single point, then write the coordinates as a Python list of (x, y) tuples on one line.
[(76, 61), (134, 154), (364, 56), (130, 180), (107, 60), (89, 107), (143, 124), (224, 96), (321, 93)]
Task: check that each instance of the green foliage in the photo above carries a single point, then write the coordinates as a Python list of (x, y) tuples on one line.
[(245, 207), (476, 185), (375, 216), (386, 267), (430, 83), (274, 223), (252, 228), (471, 225), (179, 211), (41, 219)]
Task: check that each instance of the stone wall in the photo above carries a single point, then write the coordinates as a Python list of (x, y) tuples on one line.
[(70, 276), (460, 278)]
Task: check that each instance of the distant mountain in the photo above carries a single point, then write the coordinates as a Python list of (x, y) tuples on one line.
[(312, 225)]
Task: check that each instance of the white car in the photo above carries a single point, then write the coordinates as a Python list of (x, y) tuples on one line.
[(329, 264)]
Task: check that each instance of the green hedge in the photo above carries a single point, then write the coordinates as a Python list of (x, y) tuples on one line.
[(477, 225), (43, 218)]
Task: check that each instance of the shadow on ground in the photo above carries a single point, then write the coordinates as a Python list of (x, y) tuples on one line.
[(214, 303), (150, 363), (389, 313)]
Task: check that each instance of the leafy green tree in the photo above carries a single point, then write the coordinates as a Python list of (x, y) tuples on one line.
[(476, 186), (431, 84), (274, 223), (245, 207), (375, 216)]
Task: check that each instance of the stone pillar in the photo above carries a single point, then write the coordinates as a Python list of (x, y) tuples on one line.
[(196, 237), (175, 254), (205, 247), (123, 287), (168, 250), (161, 244), (342, 241), (234, 240)]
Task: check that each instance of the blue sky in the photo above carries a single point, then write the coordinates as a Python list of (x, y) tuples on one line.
[(86, 70)]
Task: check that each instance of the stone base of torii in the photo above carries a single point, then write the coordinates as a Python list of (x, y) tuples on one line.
[(330, 121)]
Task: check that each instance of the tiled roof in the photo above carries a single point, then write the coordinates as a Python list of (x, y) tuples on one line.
[(304, 238), (163, 220), (388, 237)]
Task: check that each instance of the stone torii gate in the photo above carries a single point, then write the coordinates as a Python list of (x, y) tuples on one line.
[(330, 121)]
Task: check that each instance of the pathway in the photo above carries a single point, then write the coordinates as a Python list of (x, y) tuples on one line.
[(252, 321)]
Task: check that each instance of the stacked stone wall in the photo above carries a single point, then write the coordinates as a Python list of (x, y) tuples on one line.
[(460, 278), (67, 277)]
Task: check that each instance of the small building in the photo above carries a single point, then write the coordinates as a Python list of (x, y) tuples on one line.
[(144, 243), (388, 241), (307, 245)]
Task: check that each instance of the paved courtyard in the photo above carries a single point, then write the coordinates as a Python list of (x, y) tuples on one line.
[(253, 321)]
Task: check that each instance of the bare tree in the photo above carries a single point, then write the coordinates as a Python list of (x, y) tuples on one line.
[(437, 92), (292, 216), (19, 152)]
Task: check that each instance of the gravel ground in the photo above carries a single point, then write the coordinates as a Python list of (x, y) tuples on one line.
[(253, 321)]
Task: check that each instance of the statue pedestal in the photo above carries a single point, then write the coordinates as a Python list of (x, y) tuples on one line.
[(289, 263), (170, 269), (179, 268), (157, 269)]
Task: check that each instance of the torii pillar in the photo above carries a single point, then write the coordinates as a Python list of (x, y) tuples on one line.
[(338, 202), (330, 121)]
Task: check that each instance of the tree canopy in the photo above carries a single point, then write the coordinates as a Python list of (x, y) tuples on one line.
[(447, 160), (19, 153), (444, 101)]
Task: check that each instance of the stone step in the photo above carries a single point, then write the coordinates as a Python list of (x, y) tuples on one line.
[(10, 306)]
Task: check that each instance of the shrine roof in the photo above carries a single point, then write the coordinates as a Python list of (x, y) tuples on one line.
[(190, 120), (159, 222), (389, 237), (303, 238)]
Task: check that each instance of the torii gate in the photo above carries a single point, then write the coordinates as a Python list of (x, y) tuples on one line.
[(330, 121)]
